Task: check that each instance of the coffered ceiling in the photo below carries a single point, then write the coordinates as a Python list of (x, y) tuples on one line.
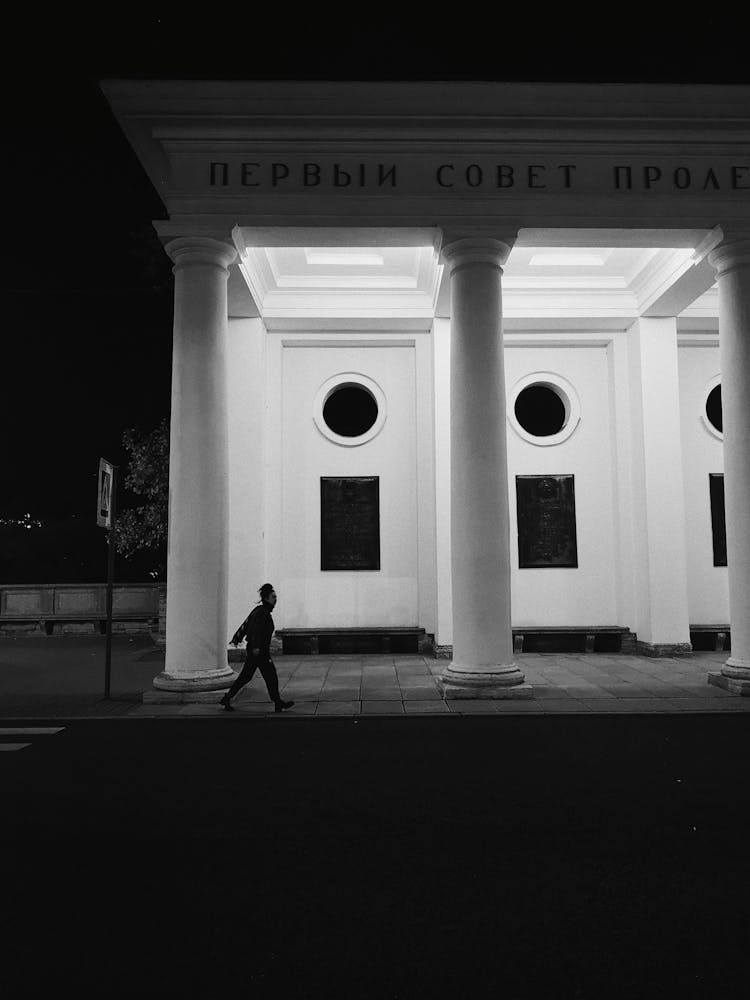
[(610, 285)]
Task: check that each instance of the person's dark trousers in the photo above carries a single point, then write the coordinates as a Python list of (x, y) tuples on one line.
[(268, 672)]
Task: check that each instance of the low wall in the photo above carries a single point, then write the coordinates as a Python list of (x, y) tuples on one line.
[(78, 608)]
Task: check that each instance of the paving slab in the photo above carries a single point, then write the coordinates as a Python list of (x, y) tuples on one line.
[(419, 693), (513, 706), (585, 691), (706, 691), (431, 707), (692, 704), (544, 691), (563, 706), (338, 708), (302, 688), (473, 706), (390, 707), (339, 694), (299, 708), (156, 710), (380, 693), (624, 706), (251, 707)]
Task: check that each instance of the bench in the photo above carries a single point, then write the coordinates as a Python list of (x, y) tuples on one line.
[(574, 638), (714, 637), (332, 641)]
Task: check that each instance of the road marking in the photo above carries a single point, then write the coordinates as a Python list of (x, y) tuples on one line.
[(13, 746), (30, 730)]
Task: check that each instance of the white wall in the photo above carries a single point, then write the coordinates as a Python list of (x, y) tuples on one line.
[(246, 380), (708, 595), (299, 454), (277, 456), (568, 596), (587, 595)]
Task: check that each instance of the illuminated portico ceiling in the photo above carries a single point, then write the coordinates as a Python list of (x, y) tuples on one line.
[(339, 282), (292, 283)]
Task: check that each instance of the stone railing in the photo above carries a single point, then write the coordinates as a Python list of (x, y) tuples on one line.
[(78, 608)]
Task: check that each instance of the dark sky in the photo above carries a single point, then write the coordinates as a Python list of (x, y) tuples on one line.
[(86, 290)]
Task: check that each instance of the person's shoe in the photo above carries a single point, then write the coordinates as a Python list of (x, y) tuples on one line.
[(281, 705), (225, 702)]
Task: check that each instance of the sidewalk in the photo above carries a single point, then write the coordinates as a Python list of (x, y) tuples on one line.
[(63, 677)]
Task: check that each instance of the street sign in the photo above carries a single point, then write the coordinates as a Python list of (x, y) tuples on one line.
[(105, 494)]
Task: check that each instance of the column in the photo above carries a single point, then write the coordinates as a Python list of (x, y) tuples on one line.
[(482, 664), (732, 262), (658, 542), (196, 657)]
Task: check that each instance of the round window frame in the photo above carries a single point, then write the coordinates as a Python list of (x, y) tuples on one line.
[(342, 381), (707, 390), (568, 396)]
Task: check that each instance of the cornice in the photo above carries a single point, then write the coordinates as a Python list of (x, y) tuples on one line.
[(441, 99), (577, 155)]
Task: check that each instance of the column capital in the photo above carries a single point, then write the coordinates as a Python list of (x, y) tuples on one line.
[(732, 252), (187, 251), (457, 251)]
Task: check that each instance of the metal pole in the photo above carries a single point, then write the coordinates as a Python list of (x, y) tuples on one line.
[(110, 582)]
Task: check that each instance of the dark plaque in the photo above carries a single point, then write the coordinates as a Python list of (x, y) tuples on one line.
[(546, 521), (718, 522), (350, 523)]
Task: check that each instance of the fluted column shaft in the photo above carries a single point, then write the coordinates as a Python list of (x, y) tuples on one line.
[(732, 262), (482, 664), (198, 470)]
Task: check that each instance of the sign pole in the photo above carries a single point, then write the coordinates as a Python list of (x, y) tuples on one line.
[(110, 582), (106, 519)]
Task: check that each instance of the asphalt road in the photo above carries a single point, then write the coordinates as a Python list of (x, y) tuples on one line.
[(63, 676), (378, 857)]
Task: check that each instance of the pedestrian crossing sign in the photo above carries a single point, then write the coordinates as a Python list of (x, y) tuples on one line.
[(104, 495)]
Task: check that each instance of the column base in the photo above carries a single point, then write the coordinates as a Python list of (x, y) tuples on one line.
[(203, 687), (736, 666), (734, 676), (663, 648), (492, 682)]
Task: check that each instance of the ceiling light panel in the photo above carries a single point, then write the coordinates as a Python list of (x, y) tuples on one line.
[(571, 259), (345, 257)]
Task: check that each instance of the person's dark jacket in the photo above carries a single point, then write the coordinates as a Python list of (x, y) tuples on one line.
[(257, 628)]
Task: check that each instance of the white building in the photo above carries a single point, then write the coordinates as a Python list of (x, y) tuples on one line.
[(451, 357)]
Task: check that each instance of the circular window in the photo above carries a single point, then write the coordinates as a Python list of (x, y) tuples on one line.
[(712, 411), (349, 409), (713, 408), (540, 410), (543, 408)]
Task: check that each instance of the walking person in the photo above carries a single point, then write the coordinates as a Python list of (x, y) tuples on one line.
[(258, 629)]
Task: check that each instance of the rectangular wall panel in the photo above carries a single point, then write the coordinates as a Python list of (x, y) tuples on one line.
[(546, 521), (349, 523), (718, 522)]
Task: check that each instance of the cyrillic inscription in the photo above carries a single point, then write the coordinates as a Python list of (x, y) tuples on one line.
[(485, 175)]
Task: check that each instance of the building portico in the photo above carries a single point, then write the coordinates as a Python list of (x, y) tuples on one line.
[(451, 251)]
